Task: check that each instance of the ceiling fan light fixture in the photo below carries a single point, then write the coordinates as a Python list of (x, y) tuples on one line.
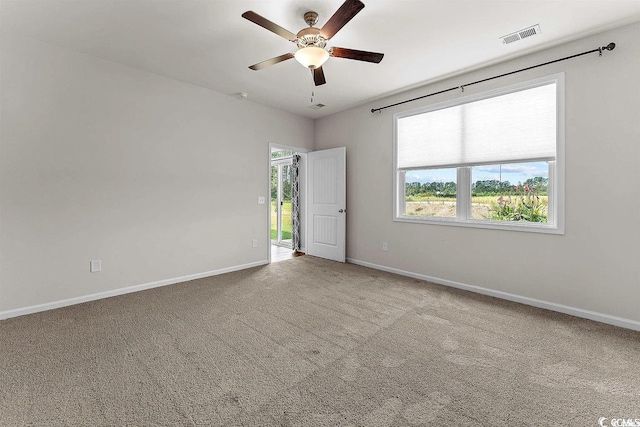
[(311, 57)]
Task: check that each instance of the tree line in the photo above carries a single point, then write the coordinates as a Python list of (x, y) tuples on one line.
[(489, 187)]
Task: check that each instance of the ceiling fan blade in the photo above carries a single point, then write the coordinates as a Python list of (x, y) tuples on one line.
[(265, 23), (359, 55), (344, 14), (272, 61), (318, 76)]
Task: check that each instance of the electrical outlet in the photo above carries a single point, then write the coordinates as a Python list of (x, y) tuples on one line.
[(95, 266), (254, 243), (261, 200), (385, 246)]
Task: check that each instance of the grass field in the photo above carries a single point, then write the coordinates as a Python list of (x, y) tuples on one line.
[(445, 206), (286, 221), (482, 200)]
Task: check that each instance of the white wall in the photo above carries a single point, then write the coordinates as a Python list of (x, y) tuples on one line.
[(157, 178), (595, 266)]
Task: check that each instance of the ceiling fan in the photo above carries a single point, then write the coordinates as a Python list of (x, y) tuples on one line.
[(311, 41)]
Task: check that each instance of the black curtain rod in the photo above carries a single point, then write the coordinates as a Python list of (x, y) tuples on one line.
[(609, 47)]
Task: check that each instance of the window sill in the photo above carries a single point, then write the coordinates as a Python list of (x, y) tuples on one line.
[(526, 227)]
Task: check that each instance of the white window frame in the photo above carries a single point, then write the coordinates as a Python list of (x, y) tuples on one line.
[(555, 223)]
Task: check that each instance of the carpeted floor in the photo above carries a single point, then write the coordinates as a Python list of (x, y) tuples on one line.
[(313, 343)]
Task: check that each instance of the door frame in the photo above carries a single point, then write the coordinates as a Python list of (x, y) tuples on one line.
[(303, 200)]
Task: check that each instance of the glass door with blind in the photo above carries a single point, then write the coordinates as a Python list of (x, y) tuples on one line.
[(281, 199)]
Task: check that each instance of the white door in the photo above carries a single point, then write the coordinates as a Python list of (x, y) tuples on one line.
[(327, 209)]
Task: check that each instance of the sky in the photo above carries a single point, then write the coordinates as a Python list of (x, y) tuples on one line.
[(514, 173)]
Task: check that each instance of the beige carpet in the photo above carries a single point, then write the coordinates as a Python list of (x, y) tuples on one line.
[(313, 343)]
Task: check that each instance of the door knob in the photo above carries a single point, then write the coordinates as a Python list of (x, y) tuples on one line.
[(342, 210)]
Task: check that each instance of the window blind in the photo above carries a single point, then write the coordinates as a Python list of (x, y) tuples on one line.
[(519, 126)]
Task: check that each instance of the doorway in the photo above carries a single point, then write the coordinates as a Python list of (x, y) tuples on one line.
[(282, 176), (318, 178), (281, 227)]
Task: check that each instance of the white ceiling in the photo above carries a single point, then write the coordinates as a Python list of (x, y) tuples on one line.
[(207, 42)]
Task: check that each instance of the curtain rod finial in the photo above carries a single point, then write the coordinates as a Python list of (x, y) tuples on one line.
[(610, 46)]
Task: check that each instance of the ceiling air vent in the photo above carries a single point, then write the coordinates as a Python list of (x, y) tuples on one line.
[(316, 106), (522, 34)]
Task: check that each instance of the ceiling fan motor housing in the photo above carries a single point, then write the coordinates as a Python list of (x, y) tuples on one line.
[(310, 37)]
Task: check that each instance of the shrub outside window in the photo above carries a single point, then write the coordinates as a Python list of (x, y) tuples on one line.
[(492, 160)]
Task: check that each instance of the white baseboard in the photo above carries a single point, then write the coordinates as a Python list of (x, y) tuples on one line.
[(92, 297), (578, 312)]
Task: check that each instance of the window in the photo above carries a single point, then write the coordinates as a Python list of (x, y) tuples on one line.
[(492, 160)]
